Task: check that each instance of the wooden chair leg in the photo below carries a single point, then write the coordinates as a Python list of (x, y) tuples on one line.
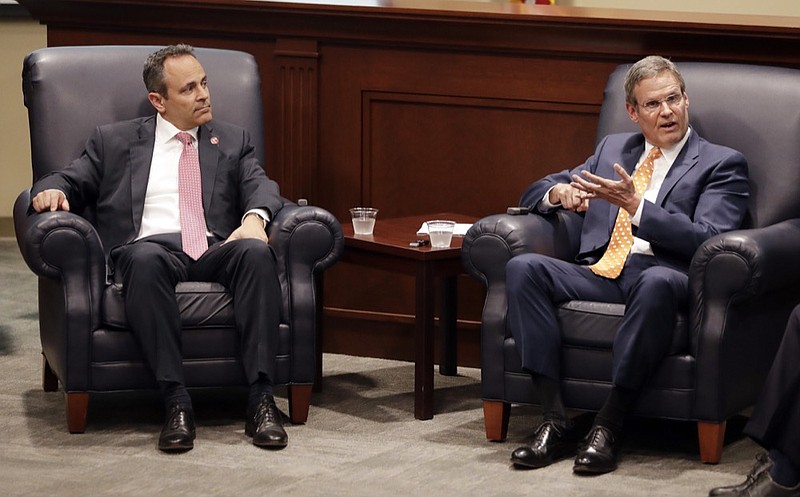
[(711, 437), (77, 408), (495, 419), (49, 378), (299, 402)]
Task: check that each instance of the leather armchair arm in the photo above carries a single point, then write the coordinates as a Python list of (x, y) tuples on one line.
[(493, 240), (64, 250), (746, 263), (62, 246), (307, 240), (488, 245), (730, 275)]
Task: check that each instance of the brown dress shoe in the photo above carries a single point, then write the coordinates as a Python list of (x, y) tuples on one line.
[(265, 425)]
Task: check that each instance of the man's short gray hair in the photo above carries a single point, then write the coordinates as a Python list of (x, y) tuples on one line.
[(649, 67)]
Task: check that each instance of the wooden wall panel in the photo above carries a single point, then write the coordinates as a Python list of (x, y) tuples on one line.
[(433, 153), (293, 131), (453, 115), (411, 132)]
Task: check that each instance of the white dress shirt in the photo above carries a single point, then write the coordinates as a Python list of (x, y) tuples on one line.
[(161, 212)]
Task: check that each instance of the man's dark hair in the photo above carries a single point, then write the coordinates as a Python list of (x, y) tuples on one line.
[(153, 73)]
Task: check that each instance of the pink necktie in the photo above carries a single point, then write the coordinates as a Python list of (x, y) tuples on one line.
[(612, 262), (190, 203)]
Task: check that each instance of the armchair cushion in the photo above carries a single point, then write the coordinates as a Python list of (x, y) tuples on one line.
[(594, 325), (201, 304)]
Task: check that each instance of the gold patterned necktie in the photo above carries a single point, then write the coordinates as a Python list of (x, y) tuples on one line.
[(190, 199), (612, 262)]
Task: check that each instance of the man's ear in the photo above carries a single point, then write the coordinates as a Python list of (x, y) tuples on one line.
[(156, 100), (632, 112)]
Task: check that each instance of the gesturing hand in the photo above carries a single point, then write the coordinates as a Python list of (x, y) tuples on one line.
[(570, 198), (621, 193)]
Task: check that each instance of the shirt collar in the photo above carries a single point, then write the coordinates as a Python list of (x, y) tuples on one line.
[(670, 154), (166, 131)]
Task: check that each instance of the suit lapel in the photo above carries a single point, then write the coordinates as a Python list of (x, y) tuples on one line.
[(140, 158), (208, 148), (630, 158), (685, 160)]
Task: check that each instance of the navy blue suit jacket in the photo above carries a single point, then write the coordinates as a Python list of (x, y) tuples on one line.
[(113, 171), (704, 193)]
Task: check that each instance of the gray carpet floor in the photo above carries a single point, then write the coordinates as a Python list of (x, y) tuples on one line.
[(361, 438)]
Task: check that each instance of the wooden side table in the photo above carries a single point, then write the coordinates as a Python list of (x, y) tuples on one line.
[(388, 249)]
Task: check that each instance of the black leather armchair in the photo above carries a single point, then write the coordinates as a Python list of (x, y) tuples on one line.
[(742, 283), (85, 341)]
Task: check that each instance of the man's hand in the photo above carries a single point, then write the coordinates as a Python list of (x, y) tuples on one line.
[(621, 193), (570, 198), (252, 227), (52, 200)]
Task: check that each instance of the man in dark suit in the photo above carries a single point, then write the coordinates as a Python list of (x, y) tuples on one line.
[(775, 425), (649, 200), (147, 177)]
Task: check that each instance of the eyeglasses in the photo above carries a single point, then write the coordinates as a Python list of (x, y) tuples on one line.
[(672, 101)]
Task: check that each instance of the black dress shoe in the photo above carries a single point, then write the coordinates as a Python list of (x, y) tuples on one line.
[(265, 425), (764, 486), (178, 432), (763, 463), (598, 453), (550, 443)]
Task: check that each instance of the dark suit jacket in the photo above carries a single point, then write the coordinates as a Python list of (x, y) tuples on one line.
[(704, 193), (113, 171)]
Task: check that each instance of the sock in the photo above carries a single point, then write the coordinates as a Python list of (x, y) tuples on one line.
[(552, 403), (259, 389), (612, 414), (175, 393), (783, 471)]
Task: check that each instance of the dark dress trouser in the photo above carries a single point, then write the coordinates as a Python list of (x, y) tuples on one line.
[(149, 270), (651, 293), (775, 423)]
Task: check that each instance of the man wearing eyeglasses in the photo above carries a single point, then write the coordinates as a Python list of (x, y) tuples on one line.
[(649, 199)]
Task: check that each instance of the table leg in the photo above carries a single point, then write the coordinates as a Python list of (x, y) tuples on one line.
[(449, 324), (424, 331)]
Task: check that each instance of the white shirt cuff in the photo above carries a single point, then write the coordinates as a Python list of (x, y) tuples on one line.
[(637, 217), (545, 204)]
